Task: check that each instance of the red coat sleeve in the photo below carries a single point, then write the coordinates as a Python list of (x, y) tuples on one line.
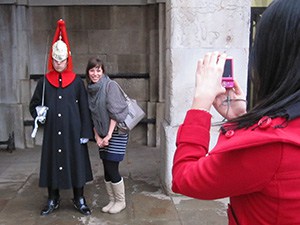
[(218, 175)]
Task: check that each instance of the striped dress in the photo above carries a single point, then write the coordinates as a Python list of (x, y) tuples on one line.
[(116, 149)]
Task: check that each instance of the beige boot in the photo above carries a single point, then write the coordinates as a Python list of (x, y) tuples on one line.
[(119, 193), (111, 197)]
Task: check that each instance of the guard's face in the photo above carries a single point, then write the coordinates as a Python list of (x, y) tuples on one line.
[(60, 66), (95, 74)]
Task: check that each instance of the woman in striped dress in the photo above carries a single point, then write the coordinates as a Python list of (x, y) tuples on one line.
[(108, 108)]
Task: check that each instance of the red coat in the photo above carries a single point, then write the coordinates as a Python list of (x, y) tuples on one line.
[(258, 168)]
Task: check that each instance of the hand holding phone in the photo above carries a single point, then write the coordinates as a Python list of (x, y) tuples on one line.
[(227, 77)]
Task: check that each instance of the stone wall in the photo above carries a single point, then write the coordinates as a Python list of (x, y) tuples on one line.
[(12, 72), (125, 37), (193, 28), (164, 40)]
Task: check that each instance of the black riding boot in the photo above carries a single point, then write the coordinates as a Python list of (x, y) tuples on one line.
[(79, 202), (52, 203)]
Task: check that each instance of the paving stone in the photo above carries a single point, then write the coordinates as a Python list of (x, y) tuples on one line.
[(21, 199)]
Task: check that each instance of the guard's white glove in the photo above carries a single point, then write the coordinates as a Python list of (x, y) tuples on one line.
[(41, 113), (41, 117), (84, 140)]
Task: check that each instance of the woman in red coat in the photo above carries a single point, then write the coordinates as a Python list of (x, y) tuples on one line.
[(256, 159)]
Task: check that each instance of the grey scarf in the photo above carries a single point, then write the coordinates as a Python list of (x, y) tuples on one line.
[(97, 105)]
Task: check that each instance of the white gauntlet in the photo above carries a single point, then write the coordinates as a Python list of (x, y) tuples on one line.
[(41, 113), (84, 140), (41, 117)]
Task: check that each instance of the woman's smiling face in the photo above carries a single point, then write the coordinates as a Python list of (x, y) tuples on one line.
[(95, 73)]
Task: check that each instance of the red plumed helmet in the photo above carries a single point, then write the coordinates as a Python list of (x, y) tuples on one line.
[(60, 49)]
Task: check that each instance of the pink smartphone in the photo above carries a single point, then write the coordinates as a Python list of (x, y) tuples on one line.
[(227, 78)]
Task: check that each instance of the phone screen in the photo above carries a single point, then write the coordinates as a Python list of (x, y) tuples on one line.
[(227, 78), (228, 68)]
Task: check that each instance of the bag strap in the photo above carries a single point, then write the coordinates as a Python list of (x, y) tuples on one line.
[(123, 92)]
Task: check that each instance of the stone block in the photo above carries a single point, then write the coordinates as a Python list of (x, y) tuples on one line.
[(138, 135), (168, 140), (11, 117), (151, 131), (6, 13), (123, 42), (206, 25), (82, 18), (29, 141), (128, 18), (111, 63), (135, 88), (78, 42), (103, 43), (160, 114), (26, 113), (154, 65), (22, 19), (152, 12), (138, 42), (91, 12), (132, 63), (22, 55), (42, 18), (80, 62), (38, 51), (25, 91), (154, 76), (33, 84), (153, 40), (37, 66)]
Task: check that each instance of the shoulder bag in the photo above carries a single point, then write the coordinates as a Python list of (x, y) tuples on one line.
[(135, 113)]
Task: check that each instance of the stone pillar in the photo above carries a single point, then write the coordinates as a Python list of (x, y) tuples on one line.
[(194, 27), (13, 61)]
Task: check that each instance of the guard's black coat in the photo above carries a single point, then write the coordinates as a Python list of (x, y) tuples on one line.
[(65, 162)]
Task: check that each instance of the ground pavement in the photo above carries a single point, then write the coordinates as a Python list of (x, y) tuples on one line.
[(21, 199)]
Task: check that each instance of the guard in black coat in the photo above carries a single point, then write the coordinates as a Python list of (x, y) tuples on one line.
[(65, 159)]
